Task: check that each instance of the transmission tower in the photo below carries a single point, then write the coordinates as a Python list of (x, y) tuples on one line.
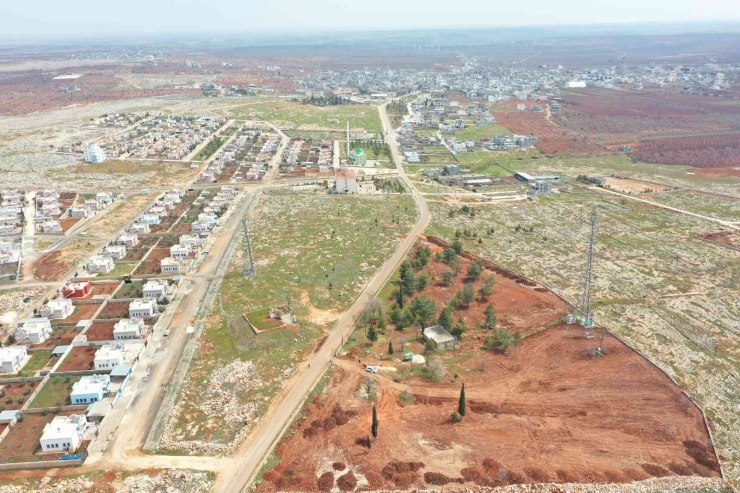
[(249, 270), (586, 315)]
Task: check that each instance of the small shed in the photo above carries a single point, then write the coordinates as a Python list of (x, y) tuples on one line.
[(440, 337)]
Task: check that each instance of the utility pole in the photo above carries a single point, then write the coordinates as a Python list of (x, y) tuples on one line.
[(347, 142)]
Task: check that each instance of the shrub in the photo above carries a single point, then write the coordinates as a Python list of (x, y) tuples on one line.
[(455, 417)]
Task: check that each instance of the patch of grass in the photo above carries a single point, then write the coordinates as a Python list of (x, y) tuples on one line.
[(131, 290), (477, 133), (121, 269), (210, 149), (54, 393), (37, 362), (261, 319)]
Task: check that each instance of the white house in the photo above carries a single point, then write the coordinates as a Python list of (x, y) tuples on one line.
[(78, 212), (116, 252), (199, 227), (63, 434), (179, 251), (94, 154), (190, 240), (154, 290), (58, 308), (100, 264), (51, 226), (12, 358), (89, 389), (170, 265), (109, 356), (33, 330), (142, 308), (104, 197), (129, 240), (139, 228), (128, 329), (93, 205), (208, 218), (150, 219)]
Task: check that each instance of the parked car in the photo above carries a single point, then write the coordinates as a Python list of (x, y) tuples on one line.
[(166, 333), (371, 369)]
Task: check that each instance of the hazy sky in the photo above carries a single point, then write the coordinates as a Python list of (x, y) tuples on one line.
[(34, 18)]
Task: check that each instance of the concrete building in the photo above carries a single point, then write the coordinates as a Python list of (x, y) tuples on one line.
[(33, 330), (77, 289), (78, 212), (540, 188), (12, 358), (439, 337), (180, 251), (116, 252), (94, 154), (142, 308), (109, 356), (89, 389), (100, 264), (154, 290), (139, 228), (170, 265), (129, 240), (128, 329), (346, 181), (63, 434), (357, 157), (526, 177), (58, 309)]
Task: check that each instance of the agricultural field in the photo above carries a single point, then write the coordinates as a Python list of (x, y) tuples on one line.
[(292, 115), (657, 283), (661, 127), (610, 116), (311, 254), (507, 434), (55, 393), (553, 140)]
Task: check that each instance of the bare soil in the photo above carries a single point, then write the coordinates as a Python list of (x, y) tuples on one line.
[(546, 411), (100, 331), (80, 358)]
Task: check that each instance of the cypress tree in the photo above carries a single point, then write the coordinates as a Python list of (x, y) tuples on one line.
[(374, 427), (461, 404), (390, 347)]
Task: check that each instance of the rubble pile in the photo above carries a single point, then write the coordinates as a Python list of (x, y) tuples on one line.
[(171, 481), (222, 404), (653, 485)]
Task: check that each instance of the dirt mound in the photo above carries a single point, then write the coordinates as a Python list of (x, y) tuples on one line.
[(339, 466), (326, 481), (347, 482), (403, 474), (701, 454), (680, 469), (537, 474), (655, 470), (339, 417), (439, 479)]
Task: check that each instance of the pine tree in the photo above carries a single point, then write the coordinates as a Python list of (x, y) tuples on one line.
[(461, 404), (374, 427), (390, 347)]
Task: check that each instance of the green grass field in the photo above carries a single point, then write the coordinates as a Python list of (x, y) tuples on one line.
[(293, 115), (130, 290), (37, 362), (54, 393), (477, 133)]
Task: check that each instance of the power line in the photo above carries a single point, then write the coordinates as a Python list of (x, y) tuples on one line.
[(249, 269), (585, 308)]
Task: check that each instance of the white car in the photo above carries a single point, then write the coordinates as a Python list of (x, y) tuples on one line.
[(166, 333), (371, 369)]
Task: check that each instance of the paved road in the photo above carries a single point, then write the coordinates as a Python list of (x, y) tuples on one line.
[(268, 432)]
